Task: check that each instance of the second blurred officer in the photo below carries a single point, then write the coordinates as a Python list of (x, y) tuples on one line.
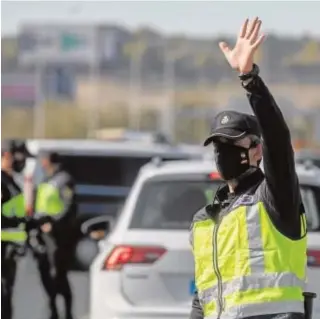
[(55, 210)]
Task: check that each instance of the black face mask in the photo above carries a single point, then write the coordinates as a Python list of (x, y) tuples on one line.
[(18, 165), (232, 161)]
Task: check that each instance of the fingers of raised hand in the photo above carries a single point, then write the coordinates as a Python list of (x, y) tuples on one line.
[(255, 33), (257, 43), (243, 29), (250, 32), (251, 28), (224, 47)]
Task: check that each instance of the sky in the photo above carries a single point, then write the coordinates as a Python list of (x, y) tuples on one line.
[(200, 18)]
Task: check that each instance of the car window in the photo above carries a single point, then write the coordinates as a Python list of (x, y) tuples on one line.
[(102, 182), (171, 204), (311, 201), (102, 170)]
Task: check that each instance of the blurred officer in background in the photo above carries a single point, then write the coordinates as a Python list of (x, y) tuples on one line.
[(250, 245), (13, 218), (52, 240)]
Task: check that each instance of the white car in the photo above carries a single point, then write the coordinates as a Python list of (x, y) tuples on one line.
[(145, 268), (309, 178)]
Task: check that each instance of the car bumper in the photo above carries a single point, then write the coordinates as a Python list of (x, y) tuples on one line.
[(108, 302)]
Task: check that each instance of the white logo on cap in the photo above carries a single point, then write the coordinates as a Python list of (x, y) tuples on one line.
[(225, 119)]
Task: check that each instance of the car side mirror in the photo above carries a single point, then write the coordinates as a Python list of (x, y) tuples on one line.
[(99, 230), (96, 228)]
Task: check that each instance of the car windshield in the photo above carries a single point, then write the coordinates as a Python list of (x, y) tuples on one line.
[(171, 205), (102, 182), (103, 170)]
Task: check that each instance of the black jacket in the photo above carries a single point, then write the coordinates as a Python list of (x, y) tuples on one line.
[(278, 187)]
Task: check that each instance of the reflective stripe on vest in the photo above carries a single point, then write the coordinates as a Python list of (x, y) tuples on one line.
[(256, 309), (14, 235), (14, 207), (48, 200), (257, 270)]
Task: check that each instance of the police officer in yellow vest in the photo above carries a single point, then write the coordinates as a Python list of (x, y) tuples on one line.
[(55, 210), (13, 218), (250, 245)]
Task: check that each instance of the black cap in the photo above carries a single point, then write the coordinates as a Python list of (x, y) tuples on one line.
[(233, 125), (13, 146), (21, 147)]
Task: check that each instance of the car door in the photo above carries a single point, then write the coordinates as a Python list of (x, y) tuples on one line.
[(311, 200)]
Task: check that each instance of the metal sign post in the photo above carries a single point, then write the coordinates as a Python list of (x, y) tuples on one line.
[(135, 51), (167, 123), (93, 116), (168, 112), (135, 86)]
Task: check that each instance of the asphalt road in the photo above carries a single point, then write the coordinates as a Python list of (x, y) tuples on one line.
[(30, 300)]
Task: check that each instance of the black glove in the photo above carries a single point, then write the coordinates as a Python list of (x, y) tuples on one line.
[(44, 220), (31, 223)]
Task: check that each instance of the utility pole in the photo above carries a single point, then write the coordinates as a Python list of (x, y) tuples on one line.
[(169, 108), (39, 116), (93, 116), (135, 50)]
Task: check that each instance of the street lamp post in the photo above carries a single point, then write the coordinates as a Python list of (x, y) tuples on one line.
[(168, 110), (200, 62), (135, 51), (39, 116), (135, 87), (93, 116), (167, 116)]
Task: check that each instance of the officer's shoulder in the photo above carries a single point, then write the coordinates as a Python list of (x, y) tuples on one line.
[(4, 187), (64, 175), (201, 214), (63, 178), (5, 193)]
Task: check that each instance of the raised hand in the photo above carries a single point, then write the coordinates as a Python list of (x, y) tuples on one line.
[(241, 57)]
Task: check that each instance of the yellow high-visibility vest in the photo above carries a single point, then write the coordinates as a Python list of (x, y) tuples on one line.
[(48, 199), (14, 207), (245, 267)]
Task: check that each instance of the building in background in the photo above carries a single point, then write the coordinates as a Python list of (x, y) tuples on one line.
[(65, 63)]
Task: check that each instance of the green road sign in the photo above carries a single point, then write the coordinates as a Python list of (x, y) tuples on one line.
[(69, 42)]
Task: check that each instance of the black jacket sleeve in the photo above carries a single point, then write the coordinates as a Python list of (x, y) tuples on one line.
[(282, 186), (196, 311)]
